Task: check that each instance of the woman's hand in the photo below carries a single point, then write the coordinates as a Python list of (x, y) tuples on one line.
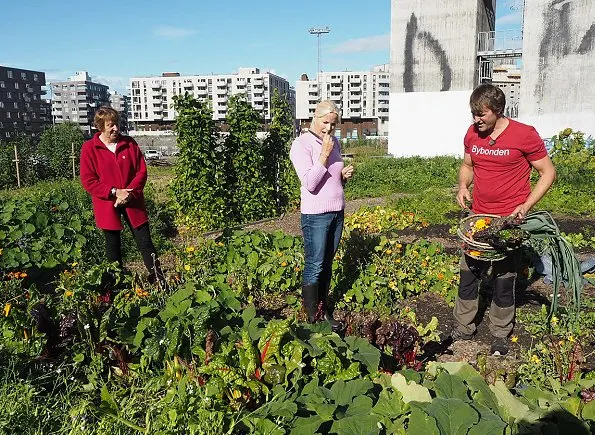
[(122, 197), (327, 147), (347, 172)]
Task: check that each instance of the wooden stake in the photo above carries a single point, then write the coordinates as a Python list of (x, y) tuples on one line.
[(16, 162)]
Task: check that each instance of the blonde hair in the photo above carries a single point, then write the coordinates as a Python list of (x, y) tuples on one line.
[(325, 107)]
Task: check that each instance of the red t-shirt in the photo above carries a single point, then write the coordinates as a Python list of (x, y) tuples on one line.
[(501, 171)]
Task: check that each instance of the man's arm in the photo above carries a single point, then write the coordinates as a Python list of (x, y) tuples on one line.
[(465, 180), (547, 175)]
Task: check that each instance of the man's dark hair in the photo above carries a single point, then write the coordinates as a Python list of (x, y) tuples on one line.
[(489, 96)]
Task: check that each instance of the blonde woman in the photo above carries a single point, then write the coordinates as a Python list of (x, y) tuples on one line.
[(316, 157)]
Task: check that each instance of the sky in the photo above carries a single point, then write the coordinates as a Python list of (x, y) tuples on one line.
[(116, 40)]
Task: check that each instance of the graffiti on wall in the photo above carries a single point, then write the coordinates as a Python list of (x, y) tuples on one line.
[(433, 45), (490, 13), (558, 49)]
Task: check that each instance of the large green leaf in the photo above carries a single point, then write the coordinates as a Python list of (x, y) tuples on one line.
[(450, 386), (343, 392), (410, 391), (453, 416), (489, 423), (361, 405), (356, 425), (511, 409), (366, 353), (389, 404), (588, 412), (421, 423), (325, 411)]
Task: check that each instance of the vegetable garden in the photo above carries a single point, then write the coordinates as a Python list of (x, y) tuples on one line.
[(226, 348)]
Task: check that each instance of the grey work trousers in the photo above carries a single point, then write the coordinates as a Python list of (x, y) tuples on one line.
[(502, 309)]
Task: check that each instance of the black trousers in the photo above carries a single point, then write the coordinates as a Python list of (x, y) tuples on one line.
[(142, 237)]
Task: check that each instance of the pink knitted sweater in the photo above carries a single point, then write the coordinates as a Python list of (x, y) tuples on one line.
[(322, 187)]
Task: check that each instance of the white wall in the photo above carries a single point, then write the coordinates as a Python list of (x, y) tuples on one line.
[(558, 85), (428, 123)]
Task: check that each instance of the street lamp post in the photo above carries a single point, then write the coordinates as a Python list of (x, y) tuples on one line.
[(318, 31)]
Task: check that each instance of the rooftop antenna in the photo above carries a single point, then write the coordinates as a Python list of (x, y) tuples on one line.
[(318, 31)]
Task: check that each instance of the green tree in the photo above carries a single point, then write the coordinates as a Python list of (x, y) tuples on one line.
[(278, 170), (253, 196), (200, 183), (55, 150), (28, 164), (574, 158)]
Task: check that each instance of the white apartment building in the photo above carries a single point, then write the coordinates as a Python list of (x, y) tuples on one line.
[(152, 105), (508, 78), (362, 96)]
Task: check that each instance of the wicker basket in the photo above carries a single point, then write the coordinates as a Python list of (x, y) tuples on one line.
[(478, 250)]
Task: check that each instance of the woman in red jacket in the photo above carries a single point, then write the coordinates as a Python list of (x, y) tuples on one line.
[(114, 172)]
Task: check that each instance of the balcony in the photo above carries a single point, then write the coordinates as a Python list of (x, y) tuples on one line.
[(355, 106), (355, 89), (156, 86), (335, 81), (384, 81), (188, 86), (354, 80), (222, 85), (258, 97), (336, 85), (201, 92), (336, 97)]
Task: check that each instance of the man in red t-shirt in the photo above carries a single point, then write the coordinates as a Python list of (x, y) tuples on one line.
[(500, 154)]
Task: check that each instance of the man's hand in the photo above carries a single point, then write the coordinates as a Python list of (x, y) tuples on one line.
[(347, 172), (463, 195), (520, 213), (122, 197)]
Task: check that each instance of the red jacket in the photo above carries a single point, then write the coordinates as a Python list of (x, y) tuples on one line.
[(125, 169)]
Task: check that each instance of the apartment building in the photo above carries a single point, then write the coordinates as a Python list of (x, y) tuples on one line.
[(362, 97), (77, 100), (508, 78), (121, 103), (153, 104), (22, 109)]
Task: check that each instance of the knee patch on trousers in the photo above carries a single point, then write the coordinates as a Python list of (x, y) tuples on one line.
[(504, 290), (468, 288)]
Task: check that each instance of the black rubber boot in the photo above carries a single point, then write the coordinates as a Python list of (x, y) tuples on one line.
[(336, 326), (309, 301)]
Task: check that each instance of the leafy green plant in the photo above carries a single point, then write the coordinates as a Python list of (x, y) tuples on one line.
[(55, 149)]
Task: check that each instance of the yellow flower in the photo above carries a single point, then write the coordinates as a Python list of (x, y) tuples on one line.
[(0, 251), (68, 293), (190, 249), (236, 394), (297, 269), (389, 251), (75, 264), (440, 276), (571, 338), (186, 267), (7, 309), (554, 321), (220, 243), (392, 284), (140, 292), (283, 264), (514, 338), (535, 359), (399, 245)]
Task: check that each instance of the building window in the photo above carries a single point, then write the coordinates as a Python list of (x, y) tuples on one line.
[(24, 76), (9, 95), (35, 77), (8, 115), (16, 85), (16, 105), (9, 74)]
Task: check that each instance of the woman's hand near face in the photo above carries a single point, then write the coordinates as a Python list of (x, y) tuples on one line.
[(327, 147), (347, 172)]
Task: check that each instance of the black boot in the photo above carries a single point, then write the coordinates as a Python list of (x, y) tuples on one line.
[(309, 301), (323, 291)]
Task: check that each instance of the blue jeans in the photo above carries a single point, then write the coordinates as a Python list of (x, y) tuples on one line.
[(322, 233)]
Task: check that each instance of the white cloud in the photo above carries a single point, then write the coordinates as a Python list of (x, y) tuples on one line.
[(172, 32), (370, 43), (115, 83), (509, 20)]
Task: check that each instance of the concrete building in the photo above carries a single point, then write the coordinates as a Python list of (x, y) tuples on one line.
[(434, 68), (77, 100), (558, 66), (508, 78), (22, 109), (153, 104), (121, 103), (362, 96)]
